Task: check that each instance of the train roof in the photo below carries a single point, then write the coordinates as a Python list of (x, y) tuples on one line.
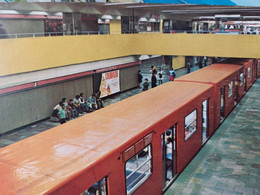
[(48, 159), (236, 61), (214, 73)]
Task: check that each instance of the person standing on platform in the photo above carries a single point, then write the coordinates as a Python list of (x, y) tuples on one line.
[(205, 61), (160, 76), (172, 75), (188, 65), (140, 78), (154, 70), (154, 80), (99, 101), (145, 85), (200, 63)]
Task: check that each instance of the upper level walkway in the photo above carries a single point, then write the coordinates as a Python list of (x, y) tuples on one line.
[(229, 163), (32, 54)]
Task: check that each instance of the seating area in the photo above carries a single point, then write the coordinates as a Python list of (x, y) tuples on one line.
[(76, 107)]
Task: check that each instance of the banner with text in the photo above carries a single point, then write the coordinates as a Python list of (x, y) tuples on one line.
[(109, 83)]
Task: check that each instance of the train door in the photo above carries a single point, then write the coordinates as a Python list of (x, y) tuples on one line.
[(258, 69), (169, 153), (255, 69), (222, 104), (205, 123), (245, 80)]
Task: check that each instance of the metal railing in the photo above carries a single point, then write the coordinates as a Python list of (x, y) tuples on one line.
[(50, 34)]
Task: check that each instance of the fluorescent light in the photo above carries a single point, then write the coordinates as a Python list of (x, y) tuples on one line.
[(152, 20), (228, 16), (100, 21), (143, 20), (107, 17), (251, 17), (207, 17), (58, 14), (8, 12), (38, 13)]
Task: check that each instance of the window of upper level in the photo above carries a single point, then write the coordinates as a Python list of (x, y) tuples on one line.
[(190, 124), (138, 169), (99, 187)]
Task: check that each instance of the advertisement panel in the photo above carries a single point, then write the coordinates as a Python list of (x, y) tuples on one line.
[(109, 83)]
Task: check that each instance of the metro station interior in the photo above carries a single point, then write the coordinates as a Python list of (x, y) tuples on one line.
[(52, 50)]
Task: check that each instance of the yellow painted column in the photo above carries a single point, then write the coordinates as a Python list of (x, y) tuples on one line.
[(161, 25), (115, 26), (178, 62)]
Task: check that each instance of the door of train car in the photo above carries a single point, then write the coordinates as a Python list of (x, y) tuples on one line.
[(245, 80), (169, 155), (258, 68), (255, 67), (222, 104), (205, 121)]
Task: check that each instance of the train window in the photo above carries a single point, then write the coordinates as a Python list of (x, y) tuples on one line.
[(190, 124), (230, 89), (99, 188), (138, 169), (241, 79), (249, 72)]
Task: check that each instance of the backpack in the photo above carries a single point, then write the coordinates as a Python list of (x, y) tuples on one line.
[(160, 75), (174, 74)]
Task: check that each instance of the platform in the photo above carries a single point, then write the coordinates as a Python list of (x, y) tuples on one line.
[(229, 163), (30, 130)]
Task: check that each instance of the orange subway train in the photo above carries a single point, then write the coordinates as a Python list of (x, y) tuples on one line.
[(136, 146)]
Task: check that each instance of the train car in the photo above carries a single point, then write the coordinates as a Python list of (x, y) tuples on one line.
[(227, 89), (250, 70), (135, 146)]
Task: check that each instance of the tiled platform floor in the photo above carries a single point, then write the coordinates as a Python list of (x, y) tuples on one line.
[(229, 163), (38, 127)]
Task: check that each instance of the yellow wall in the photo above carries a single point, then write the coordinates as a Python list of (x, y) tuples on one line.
[(29, 54), (115, 26), (178, 62), (198, 45)]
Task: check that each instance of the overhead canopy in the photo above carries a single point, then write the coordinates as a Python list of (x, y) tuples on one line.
[(195, 2), (173, 8)]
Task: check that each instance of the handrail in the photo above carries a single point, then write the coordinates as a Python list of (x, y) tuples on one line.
[(46, 34)]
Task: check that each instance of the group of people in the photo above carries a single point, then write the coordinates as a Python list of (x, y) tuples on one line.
[(64, 111), (172, 75)]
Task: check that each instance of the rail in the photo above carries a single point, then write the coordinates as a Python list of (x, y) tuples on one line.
[(49, 34)]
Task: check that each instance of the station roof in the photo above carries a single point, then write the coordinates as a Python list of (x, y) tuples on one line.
[(136, 9), (195, 2)]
